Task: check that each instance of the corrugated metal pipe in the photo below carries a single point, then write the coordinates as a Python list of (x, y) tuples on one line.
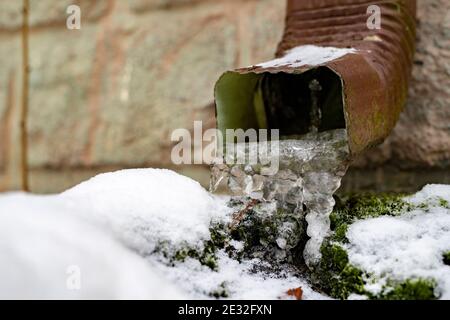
[(356, 54)]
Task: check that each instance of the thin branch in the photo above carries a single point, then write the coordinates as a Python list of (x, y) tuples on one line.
[(237, 217)]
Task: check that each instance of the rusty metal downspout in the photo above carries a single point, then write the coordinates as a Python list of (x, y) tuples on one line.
[(372, 79)]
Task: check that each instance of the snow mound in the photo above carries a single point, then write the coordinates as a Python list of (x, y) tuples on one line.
[(239, 280), (408, 246), (147, 207), (98, 241), (48, 252), (431, 193), (91, 228)]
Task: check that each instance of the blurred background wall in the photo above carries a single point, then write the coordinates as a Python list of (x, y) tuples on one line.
[(109, 95)]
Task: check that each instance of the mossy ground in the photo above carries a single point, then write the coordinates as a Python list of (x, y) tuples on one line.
[(336, 276), (353, 207), (411, 289), (206, 257)]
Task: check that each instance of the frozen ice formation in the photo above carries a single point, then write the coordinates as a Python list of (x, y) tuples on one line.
[(310, 171)]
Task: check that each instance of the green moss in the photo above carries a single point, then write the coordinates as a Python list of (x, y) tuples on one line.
[(357, 207), (220, 292), (250, 230), (423, 206), (207, 256), (336, 275), (334, 257), (220, 238), (416, 289), (443, 203), (184, 253), (446, 258), (340, 233), (354, 207), (219, 235)]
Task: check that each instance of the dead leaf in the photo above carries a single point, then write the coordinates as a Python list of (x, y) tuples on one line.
[(297, 293)]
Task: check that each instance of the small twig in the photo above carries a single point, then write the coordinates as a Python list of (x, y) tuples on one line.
[(239, 216)]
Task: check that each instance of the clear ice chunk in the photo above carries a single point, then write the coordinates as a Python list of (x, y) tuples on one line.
[(309, 172)]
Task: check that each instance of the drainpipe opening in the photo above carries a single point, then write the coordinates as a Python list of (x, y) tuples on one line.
[(294, 103)]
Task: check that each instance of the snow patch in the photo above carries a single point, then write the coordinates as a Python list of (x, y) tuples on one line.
[(308, 55), (407, 246), (147, 207), (429, 193), (47, 252), (240, 280)]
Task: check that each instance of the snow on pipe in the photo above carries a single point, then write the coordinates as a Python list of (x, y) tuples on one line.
[(350, 57)]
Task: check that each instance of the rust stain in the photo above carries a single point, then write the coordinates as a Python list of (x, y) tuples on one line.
[(94, 91), (118, 60), (6, 129), (119, 48)]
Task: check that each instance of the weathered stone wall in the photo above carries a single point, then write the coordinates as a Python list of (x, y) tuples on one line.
[(109, 95)]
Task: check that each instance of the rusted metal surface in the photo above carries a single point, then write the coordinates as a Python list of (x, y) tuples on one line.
[(374, 77)]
